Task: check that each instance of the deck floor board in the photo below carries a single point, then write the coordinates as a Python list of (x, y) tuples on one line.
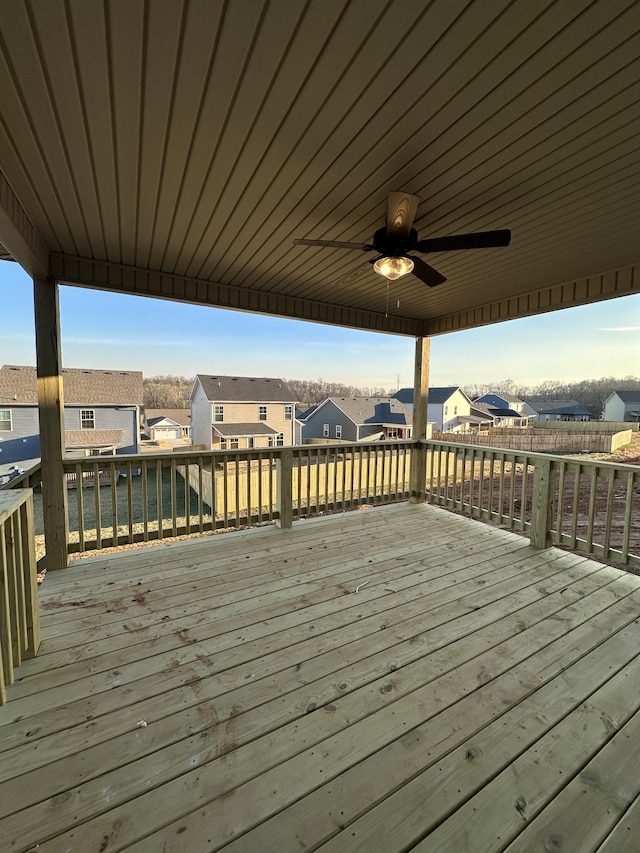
[(284, 711)]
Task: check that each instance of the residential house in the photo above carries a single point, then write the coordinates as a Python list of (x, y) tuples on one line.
[(621, 406), (167, 424), (229, 412), (102, 410), (358, 419), (301, 416), (504, 410), (448, 408), (558, 410)]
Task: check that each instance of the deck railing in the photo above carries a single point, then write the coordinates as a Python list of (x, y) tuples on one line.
[(19, 619), (159, 495), (587, 506)]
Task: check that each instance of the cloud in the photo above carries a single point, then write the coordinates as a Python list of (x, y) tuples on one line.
[(621, 329)]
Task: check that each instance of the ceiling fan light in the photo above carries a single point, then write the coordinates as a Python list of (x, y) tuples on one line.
[(393, 268)]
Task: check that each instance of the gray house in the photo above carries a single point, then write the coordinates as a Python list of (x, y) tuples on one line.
[(357, 419), (558, 410), (101, 412)]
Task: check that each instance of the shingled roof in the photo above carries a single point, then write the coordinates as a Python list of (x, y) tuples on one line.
[(81, 387), (74, 438), (435, 395), (557, 407), (245, 389), (180, 416), (386, 411)]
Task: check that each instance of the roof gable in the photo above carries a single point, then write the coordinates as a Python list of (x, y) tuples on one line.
[(81, 387), (436, 396)]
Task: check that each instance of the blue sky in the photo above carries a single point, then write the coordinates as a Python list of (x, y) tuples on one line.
[(111, 331)]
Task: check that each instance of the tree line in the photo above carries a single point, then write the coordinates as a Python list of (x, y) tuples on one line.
[(172, 392)]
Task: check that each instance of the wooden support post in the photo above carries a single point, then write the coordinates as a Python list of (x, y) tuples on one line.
[(285, 489), (418, 469), (541, 505), (51, 412)]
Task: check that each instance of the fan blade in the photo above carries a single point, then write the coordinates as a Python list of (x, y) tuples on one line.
[(425, 273), (479, 240), (401, 212), (333, 244)]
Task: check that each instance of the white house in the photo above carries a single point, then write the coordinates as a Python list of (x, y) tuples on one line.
[(622, 406), (168, 424), (448, 408), (504, 410)]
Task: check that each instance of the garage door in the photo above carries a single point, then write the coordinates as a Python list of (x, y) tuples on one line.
[(161, 433)]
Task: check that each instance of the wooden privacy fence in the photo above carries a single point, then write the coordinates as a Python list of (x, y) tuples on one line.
[(19, 619), (593, 507)]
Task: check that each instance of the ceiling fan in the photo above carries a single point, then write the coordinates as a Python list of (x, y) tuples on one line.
[(398, 238)]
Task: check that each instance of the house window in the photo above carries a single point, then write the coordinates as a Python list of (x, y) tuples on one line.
[(218, 413), (288, 413), (223, 444), (446, 410), (87, 419), (455, 410), (234, 443), (280, 440), (325, 430), (338, 431), (251, 442), (262, 413), (5, 420)]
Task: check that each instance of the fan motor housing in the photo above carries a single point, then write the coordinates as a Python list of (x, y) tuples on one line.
[(394, 246)]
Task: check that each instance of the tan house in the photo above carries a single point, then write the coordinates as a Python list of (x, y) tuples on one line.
[(233, 412)]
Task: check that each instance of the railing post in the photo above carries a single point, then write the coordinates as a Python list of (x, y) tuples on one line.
[(284, 493), (418, 462), (541, 504)]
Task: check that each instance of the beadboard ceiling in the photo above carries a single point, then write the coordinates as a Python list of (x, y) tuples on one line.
[(175, 149)]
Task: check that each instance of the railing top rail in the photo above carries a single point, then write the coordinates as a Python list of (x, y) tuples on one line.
[(12, 500), (28, 479), (70, 463), (555, 458)]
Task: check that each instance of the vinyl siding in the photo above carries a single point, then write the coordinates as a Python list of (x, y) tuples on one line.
[(201, 417), (120, 417), (332, 415), (23, 441)]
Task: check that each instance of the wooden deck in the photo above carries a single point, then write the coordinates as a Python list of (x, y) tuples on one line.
[(239, 694)]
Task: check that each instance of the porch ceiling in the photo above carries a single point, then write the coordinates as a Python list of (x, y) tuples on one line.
[(176, 150)]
